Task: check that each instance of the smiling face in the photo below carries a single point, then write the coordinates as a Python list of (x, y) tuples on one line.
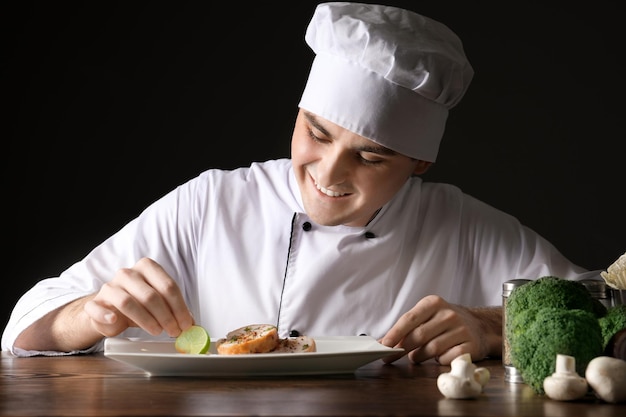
[(343, 177)]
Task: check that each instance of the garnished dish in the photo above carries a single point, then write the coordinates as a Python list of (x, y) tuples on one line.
[(302, 355)]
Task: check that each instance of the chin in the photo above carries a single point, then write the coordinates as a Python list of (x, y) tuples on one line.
[(326, 214), (323, 220)]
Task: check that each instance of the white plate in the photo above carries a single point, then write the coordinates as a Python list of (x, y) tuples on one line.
[(334, 355)]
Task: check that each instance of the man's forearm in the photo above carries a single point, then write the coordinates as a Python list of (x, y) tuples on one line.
[(491, 321), (65, 329)]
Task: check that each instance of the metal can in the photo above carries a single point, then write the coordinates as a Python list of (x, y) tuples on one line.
[(618, 297), (511, 374), (599, 290)]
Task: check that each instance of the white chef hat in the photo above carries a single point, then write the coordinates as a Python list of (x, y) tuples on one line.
[(385, 73)]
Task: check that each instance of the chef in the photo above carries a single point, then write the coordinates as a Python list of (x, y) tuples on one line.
[(343, 238)]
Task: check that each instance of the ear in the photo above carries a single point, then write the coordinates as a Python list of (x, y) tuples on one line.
[(421, 167)]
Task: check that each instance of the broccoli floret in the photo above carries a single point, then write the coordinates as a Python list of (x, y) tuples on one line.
[(542, 333), (551, 291), (612, 322), (550, 316)]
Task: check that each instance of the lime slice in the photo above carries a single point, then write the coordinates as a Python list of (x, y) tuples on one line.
[(193, 340)]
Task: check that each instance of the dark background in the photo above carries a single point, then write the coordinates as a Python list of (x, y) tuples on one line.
[(109, 105)]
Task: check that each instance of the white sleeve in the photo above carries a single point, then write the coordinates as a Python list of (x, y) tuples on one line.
[(157, 233)]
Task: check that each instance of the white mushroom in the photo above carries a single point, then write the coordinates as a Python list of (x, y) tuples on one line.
[(565, 384), (607, 377), (462, 381), (482, 375)]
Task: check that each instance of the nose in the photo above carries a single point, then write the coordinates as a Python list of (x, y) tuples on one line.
[(332, 169)]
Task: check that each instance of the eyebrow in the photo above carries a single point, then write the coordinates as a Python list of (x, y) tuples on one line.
[(377, 149)]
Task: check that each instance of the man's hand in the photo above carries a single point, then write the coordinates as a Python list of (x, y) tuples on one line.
[(434, 328), (142, 296)]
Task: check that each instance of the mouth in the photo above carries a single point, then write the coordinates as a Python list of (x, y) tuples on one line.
[(328, 192)]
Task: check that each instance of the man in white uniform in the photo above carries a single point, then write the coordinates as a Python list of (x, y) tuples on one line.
[(344, 238)]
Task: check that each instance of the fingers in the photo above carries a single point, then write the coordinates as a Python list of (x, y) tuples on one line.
[(167, 304), (144, 296), (99, 313), (415, 323), (104, 320), (414, 328), (443, 347), (433, 328)]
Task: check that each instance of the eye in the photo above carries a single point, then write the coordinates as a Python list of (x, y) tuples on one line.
[(364, 157), (315, 137), (368, 158)]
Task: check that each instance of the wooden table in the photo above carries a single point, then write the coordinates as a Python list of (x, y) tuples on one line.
[(94, 385)]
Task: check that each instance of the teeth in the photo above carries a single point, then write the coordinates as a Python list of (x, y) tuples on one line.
[(328, 192)]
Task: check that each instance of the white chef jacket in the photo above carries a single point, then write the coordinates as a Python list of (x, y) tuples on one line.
[(243, 251)]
